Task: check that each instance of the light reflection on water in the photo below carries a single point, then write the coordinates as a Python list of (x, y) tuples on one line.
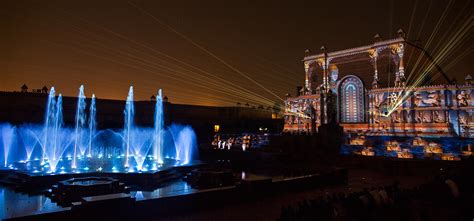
[(14, 204), (176, 188)]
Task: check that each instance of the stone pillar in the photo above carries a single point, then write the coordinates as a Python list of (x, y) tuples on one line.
[(324, 67), (443, 98), (324, 98), (371, 109), (325, 64), (324, 108), (454, 98), (373, 53), (401, 68), (446, 116), (398, 50), (307, 80), (471, 101), (325, 77)]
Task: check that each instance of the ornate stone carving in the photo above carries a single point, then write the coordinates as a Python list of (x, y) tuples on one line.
[(418, 117), (438, 116), (427, 118), (463, 98), (378, 100), (396, 117), (418, 99), (409, 117), (462, 118), (433, 99)]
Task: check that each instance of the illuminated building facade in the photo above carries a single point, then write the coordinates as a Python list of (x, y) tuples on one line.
[(388, 88)]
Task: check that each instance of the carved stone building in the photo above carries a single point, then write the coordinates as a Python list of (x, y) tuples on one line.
[(391, 87)]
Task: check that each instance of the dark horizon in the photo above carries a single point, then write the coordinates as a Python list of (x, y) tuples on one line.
[(110, 45)]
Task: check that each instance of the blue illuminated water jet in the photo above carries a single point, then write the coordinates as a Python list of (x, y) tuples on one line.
[(184, 139), (7, 131), (49, 116), (80, 124), (159, 125), (92, 124), (128, 126), (55, 148)]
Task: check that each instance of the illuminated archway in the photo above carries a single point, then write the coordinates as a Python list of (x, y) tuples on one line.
[(351, 100)]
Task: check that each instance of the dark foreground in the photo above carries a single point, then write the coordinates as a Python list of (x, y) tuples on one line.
[(276, 186)]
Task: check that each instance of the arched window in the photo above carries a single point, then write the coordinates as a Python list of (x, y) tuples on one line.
[(351, 96)]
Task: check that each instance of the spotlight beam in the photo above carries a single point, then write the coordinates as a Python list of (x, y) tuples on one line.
[(239, 92), (203, 49)]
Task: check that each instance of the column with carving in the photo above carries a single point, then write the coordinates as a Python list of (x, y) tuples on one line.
[(324, 63), (373, 54), (401, 68), (307, 80), (398, 51), (324, 91)]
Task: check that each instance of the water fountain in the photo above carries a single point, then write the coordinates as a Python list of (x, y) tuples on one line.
[(7, 138), (128, 126), (80, 124), (159, 125), (56, 148), (92, 124)]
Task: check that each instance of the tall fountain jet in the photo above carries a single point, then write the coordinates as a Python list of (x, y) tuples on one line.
[(54, 154), (128, 126), (7, 135), (52, 147), (49, 116), (58, 121), (80, 123), (159, 132), (92, 124)]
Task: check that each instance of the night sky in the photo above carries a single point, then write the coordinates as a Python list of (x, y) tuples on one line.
[(110, 45)]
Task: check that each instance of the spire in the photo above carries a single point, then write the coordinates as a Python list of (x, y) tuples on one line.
[(468, 79), (400, 33), (307, 52), (377, 38)]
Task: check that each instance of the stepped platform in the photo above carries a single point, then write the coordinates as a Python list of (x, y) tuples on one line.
[(31, 182), (180, 197)]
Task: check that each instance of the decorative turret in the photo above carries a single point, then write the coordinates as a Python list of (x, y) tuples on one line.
[(401, 33), (307, 52), (377, 38), (323, 49), (468, 79), (24, 88), (44, 90)]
